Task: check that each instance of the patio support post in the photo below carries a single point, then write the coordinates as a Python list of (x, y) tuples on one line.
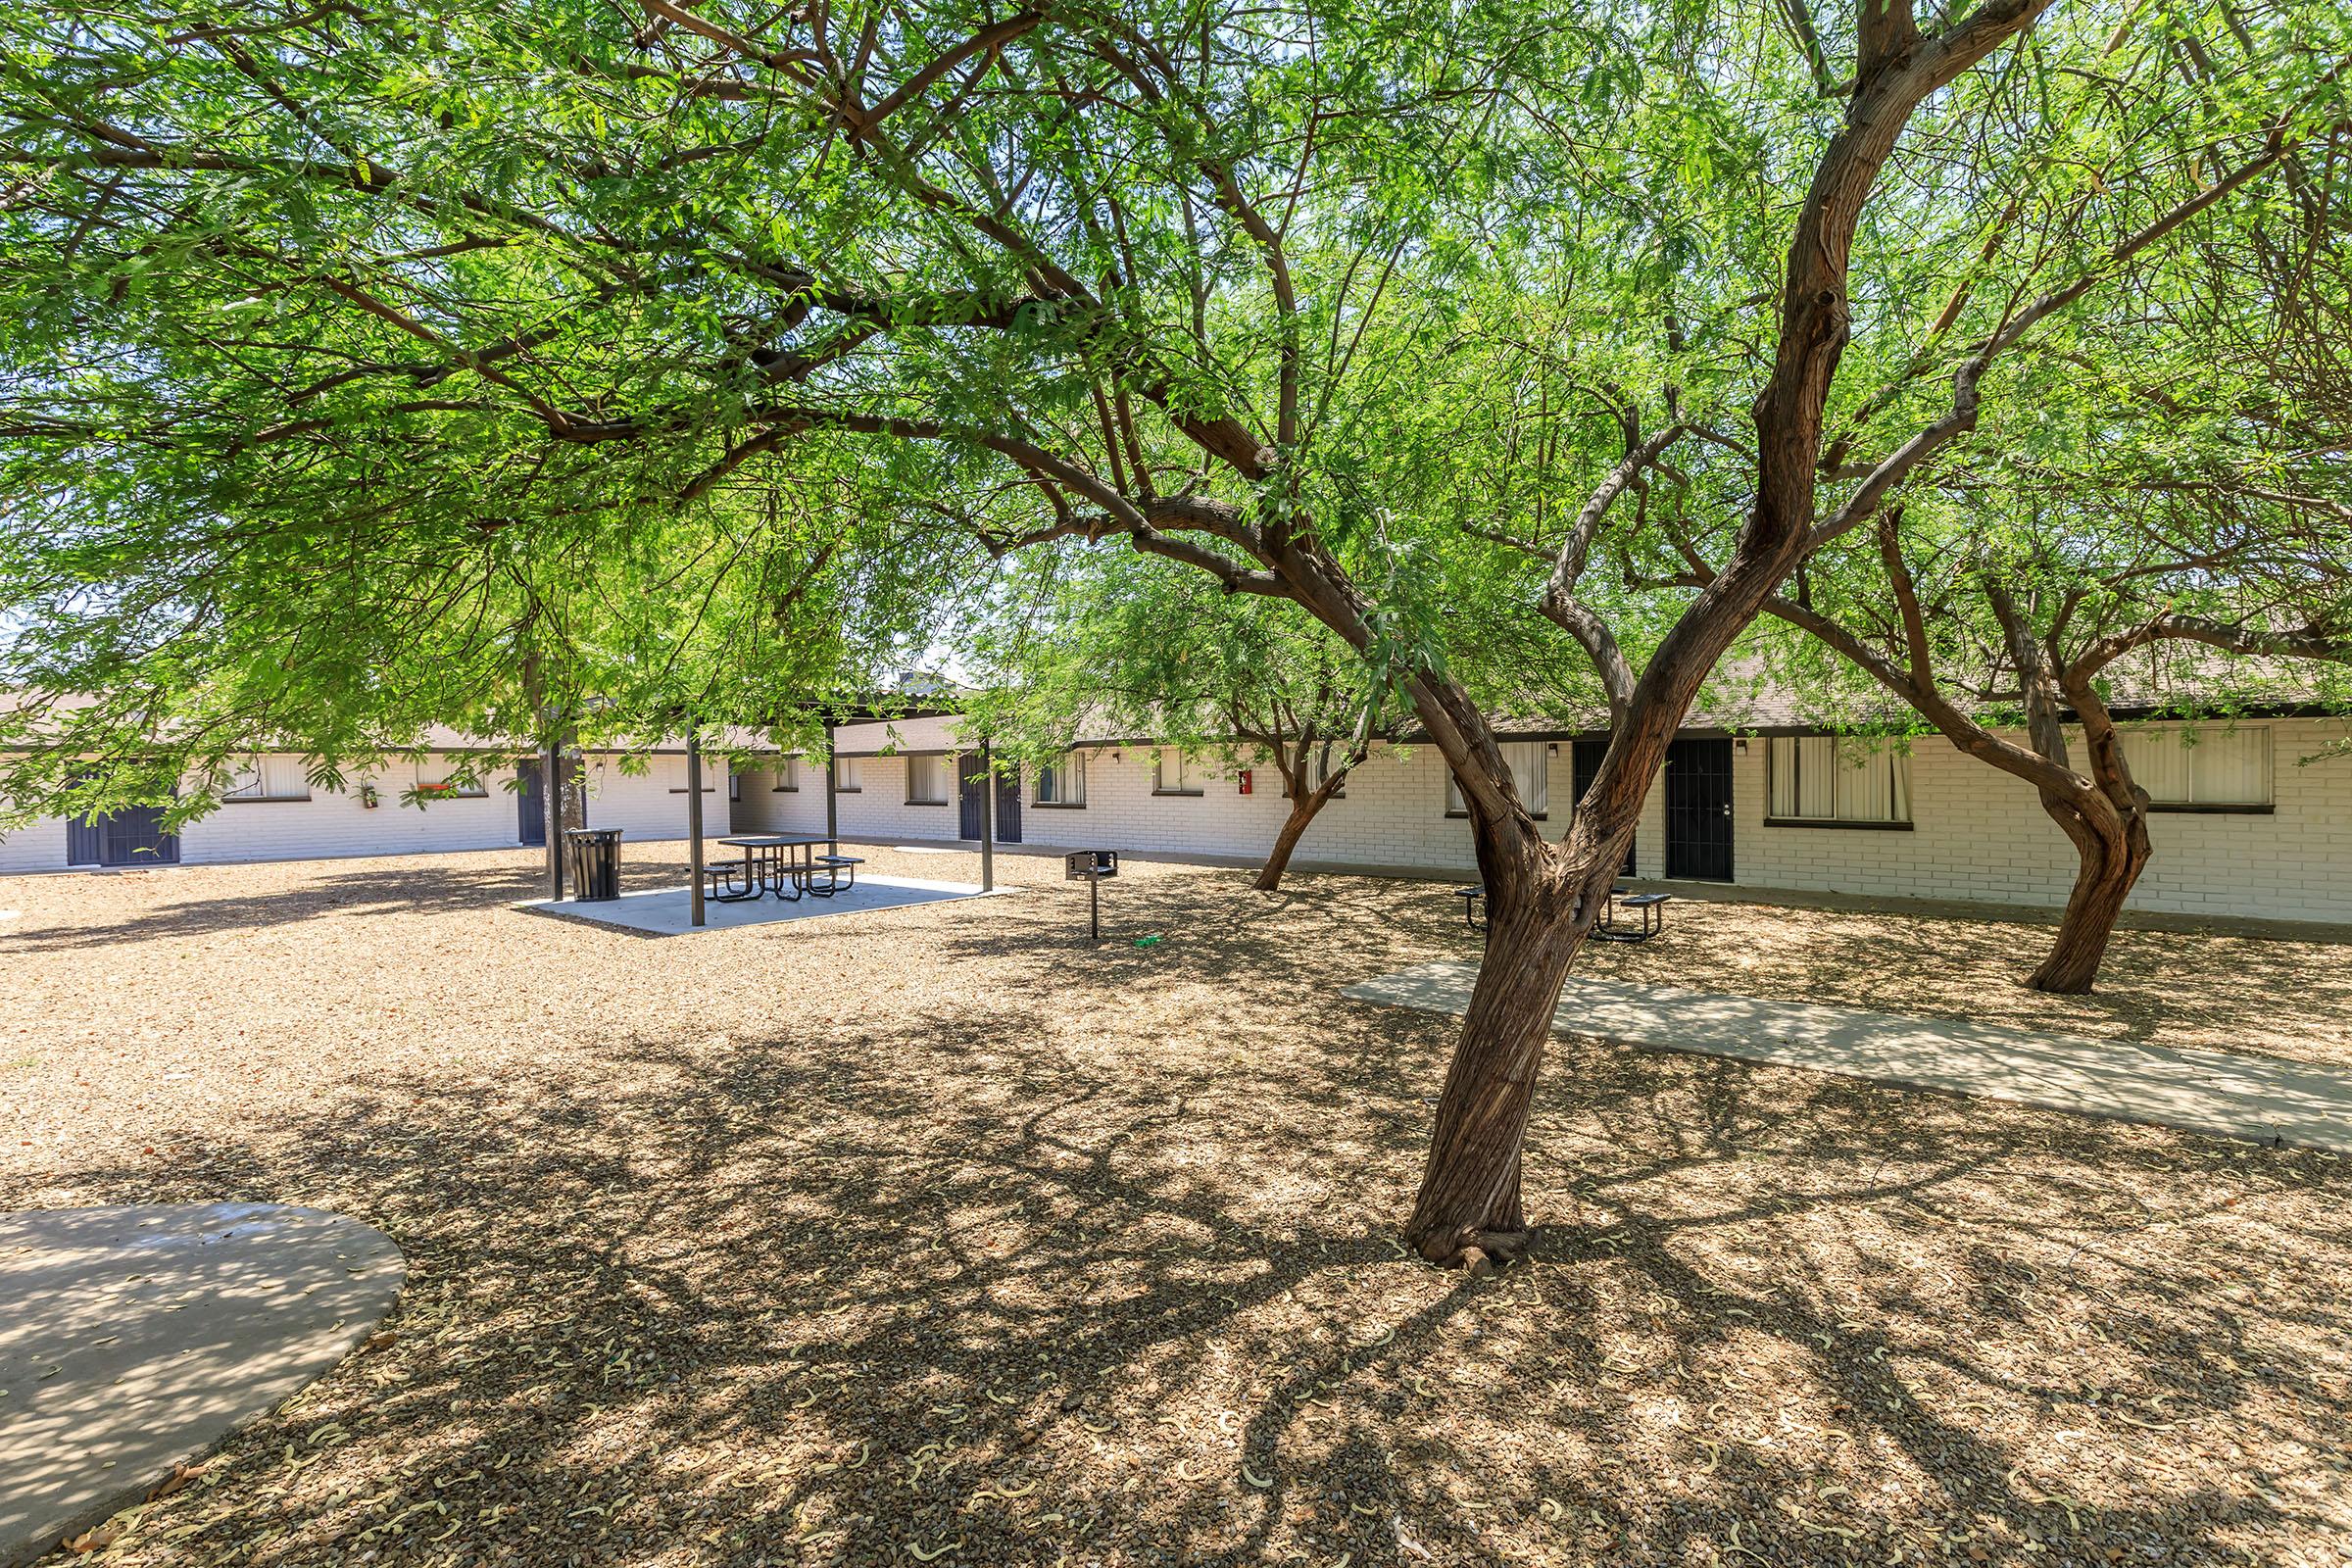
[(551, 778), (988, 823), (694, 817), (832, 803)]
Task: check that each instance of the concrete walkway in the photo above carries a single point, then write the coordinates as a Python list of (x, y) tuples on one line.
[(2218, 1091), (132, 1339)]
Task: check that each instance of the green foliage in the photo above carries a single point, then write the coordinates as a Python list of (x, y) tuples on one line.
[(368, 370), (1092, 644)]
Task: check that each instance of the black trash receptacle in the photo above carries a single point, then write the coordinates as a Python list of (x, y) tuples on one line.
[(595, 863)]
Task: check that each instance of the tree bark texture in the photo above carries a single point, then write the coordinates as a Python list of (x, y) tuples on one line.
[(573, 792), (1305, 805), (2108, 824), (2103, 814), (1541, 901), (2113, 854)]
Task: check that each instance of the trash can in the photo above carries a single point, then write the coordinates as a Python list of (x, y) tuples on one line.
[(595, 863)]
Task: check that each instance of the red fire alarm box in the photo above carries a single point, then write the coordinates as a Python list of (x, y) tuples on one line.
[(1245, 781)]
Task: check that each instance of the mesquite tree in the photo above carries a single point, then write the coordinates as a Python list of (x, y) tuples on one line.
[(1098, 645), (1228, 284), (1999, 647), (2080, 552)]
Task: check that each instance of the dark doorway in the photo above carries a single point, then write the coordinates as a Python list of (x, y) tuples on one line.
[(969, 773), (135, 836), (530, 802), (1008, 807), (85, 835), (1587, 766), (1698, 810)]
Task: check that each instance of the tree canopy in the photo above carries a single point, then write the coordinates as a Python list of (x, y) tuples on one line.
[(353, 352)]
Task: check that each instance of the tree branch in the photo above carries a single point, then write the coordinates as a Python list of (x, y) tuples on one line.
[(1962, 418)]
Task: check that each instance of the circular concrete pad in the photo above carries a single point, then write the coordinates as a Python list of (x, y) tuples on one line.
[(133, 1339)]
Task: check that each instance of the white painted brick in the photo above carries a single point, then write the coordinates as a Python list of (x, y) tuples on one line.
[(334, 822), (1978, 834)]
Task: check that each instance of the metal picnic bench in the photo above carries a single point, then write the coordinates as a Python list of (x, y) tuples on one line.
[(1649, 922), (783, 866)]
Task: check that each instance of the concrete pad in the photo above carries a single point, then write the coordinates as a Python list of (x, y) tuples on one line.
[(669, 912), (2259, 1098), (132, 1339)]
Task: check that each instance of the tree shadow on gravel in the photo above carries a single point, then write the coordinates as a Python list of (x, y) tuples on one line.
[(408, 886), (187, 904), (2226, 989), (1100, 1267)]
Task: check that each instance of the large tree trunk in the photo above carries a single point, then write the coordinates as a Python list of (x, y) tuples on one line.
[(574, 791), (1541, 900), (2108, 824), (2114, 848), (1539, 909), (1304, 808)]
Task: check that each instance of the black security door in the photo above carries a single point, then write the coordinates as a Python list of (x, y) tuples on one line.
[(967, 800), (135, 836), (530, 804), (1698, 810), (967, 795), (1008, 807), (1588, 767), (85, 835), (968, 776)]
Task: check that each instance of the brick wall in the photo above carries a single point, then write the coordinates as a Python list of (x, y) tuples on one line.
[(334, 824), (652, 805), (1978, 834), (39, 846), (765, 809), (1981, 835), (879, 808), (1392, 814)]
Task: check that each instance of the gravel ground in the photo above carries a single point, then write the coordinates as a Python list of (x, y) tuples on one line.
[(935, 1235)]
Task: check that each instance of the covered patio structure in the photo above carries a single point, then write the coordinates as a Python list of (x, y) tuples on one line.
[(695, 900)]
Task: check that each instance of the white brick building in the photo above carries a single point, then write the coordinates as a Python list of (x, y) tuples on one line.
[(2262, 827), (280, 817), (2256, 826)]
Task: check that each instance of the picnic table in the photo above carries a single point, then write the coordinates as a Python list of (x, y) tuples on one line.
[(783, 866), (1649, 908)]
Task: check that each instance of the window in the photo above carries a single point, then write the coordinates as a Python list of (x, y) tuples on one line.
[(788, 776), (437, 780), (268, 777), (1063, 783), (1319, 769), (1172, 774), (926, 779), (2203, 770), (1829, 779), (734, 785), (709, 788), (848, 775), (1530, 763)]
